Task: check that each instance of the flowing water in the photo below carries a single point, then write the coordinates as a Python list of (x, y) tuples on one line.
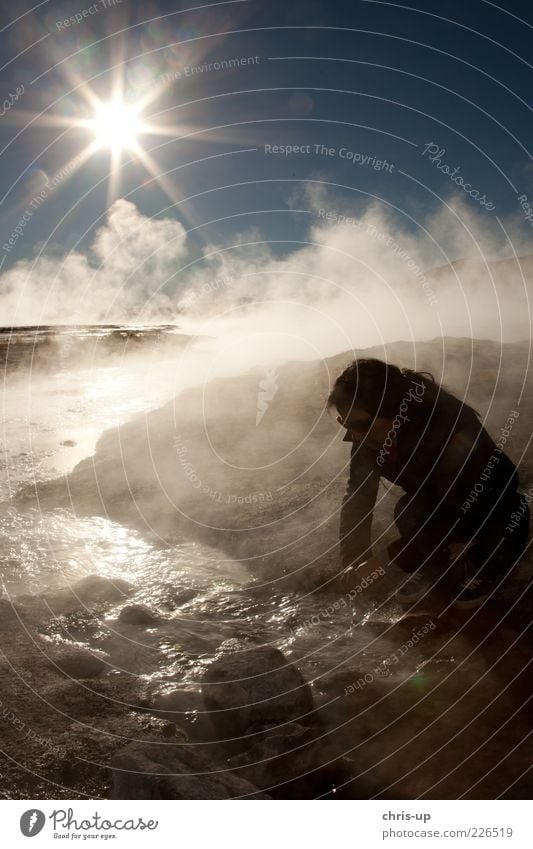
[(52, 420)]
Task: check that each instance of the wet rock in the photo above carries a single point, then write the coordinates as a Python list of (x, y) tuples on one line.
[(69, 443), (9, 612), (152, 725), (78, 664), (186, 709), (249, 687), (96, 698), (82, 596), (264, 718), (167, 770), (137, 614), (291, 762), (177, 701), (184, 596), (99, 588)]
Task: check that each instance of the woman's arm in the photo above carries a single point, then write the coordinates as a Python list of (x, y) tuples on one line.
[(357, 506)]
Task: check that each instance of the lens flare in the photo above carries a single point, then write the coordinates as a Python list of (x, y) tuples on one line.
[(116, 125)]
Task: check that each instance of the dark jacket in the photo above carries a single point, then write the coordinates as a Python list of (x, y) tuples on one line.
[(444, 457)]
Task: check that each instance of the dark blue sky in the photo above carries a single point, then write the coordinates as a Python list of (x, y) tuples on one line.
[(373, 82)]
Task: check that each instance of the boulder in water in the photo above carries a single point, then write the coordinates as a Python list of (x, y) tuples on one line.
[(99, 588), (137, 614), (250, 687), (84, 595), (264, 717)]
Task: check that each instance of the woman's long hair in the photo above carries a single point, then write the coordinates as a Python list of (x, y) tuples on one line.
[(379, 388)]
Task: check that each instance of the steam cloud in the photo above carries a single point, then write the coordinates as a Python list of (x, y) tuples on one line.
[(360, 280)]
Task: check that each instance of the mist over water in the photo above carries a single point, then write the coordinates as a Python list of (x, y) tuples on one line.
[(357, 279), (56, 409)]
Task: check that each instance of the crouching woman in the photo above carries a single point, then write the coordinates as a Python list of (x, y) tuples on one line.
[(463, 525)]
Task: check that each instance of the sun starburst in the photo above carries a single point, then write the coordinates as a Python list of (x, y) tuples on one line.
[(117, 125), (122, 128)]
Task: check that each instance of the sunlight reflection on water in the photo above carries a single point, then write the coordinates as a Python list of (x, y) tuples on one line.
[(200, 600)]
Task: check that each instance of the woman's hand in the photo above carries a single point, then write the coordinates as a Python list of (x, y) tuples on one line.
[(359, 576)]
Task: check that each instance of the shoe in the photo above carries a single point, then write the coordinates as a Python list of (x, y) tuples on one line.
[(413, 588), (471, 592)]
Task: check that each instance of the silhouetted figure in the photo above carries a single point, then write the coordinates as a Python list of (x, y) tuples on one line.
[(462, 522)]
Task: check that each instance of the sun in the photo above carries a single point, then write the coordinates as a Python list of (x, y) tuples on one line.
[(116, 126)]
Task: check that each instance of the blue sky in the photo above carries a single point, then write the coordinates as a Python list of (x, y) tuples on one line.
[(378, 103)]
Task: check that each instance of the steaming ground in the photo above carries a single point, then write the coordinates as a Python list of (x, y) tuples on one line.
[(352, 278), (211, 498)]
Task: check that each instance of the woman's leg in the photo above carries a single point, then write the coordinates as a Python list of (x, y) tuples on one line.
[(499, 543), (490, 551), (502, 541), (425, 533)]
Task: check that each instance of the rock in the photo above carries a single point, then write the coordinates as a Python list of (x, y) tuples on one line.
[(98, 588), (78, 663), (84, 595), (264, 717), (291, 762), (184, 708), (166, 770), (9, 612), (177, 702), (152, 725), (137, 614), (251, 687), (79, 700), (183, 596), (68, 443), (73, 699)]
